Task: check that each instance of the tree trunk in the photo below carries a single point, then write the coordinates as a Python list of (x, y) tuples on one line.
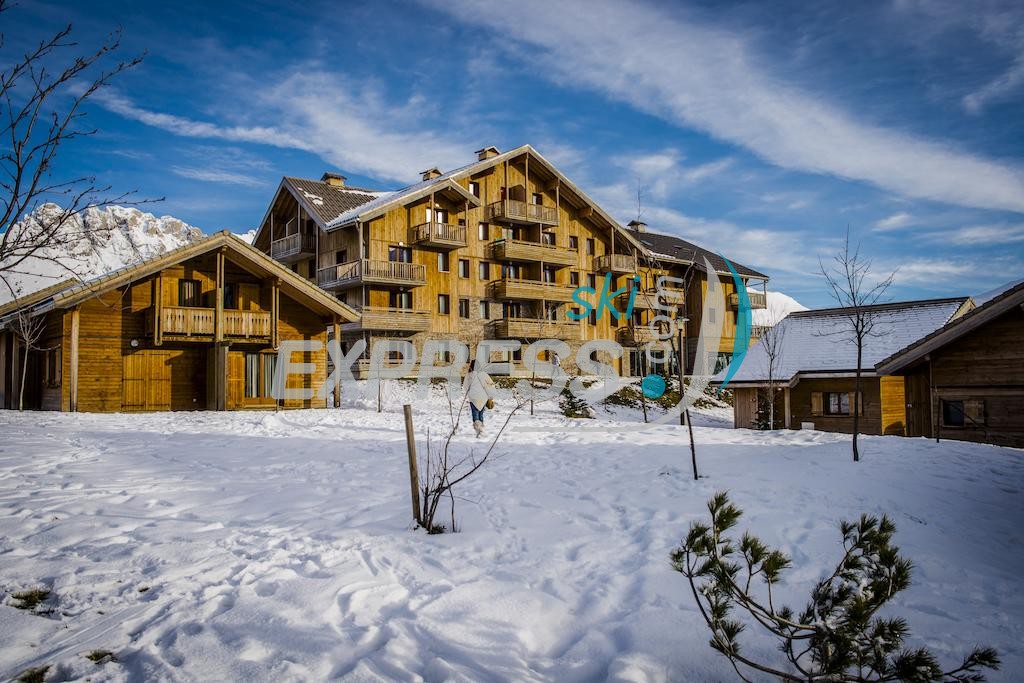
[(771, 404), (856, 401), (24, 374)]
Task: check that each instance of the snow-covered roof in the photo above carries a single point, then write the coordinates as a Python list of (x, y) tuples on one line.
[(778, 306), (818, 341), (984, 298)]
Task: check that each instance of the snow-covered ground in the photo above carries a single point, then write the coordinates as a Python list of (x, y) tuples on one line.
[(278, 546)]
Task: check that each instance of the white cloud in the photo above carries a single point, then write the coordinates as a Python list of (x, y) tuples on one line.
[(214, 175), (985, 235), (661, 173), (353, 128), (936, 272), (999, 88), (893, 222), (707, 78)]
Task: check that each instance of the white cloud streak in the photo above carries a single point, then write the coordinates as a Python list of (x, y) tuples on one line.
[(894, 222), (214, 175), (708, 79)]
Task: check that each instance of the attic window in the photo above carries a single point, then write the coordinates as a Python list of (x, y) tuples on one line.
[(474, 188)]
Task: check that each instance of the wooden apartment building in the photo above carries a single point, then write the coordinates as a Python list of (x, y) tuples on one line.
[(492, 250), (195, 329)]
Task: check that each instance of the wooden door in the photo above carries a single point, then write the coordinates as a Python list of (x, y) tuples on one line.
[(236, 380), (146, 381), (919, 405)]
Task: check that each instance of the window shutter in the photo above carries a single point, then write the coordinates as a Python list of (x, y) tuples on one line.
[(974, 411), (816, 403), (855, 405)]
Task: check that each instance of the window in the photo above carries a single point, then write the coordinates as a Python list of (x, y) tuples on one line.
[(953, 413), (230, 296), (464, 308), (437, 215), (443, 262), (463, 267), (485, 312), (712, 315), (259, 374), (188, 292), (592, 281), (837, 403), (590, 246), (481, 232), (341, 256), (484, 270), (474, 188), (593, 317), (549, 274), (400, 254), (551, 310), (574, 242), (574, 279), (538, 198), (401, 299), (548, 238), (443, 304)]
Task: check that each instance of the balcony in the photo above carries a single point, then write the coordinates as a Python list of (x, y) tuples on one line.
[(518, 250), (757, 300), (183, 323), (438, 235), (515, 211), (643, 301), (672, 297), (378, 318), (529, 289), (372, 272), (635, 335), (534, 328), (293, 247), (615, 263)]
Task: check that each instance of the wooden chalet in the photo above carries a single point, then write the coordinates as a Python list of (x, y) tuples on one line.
[(815, 375), (965, 380), (491, 250), (194, 329)]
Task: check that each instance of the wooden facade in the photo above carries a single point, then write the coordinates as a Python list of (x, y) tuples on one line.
[(197, 329), (494, 251), (966, 381)]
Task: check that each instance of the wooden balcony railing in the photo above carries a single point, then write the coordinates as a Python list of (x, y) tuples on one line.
[(642, 301), (185, 321), (532, 328), (758, 331), (389, 319), (371, 271), (517, 211), (293, 247), (757, 300), (672, 297), (445, 235), (615, 263), (635, 335), (519, 250), (509, 288)]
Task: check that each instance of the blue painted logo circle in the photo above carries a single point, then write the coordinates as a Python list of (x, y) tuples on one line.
[(653, 386)]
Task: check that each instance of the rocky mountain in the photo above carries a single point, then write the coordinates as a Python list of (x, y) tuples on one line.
[(100, 240)]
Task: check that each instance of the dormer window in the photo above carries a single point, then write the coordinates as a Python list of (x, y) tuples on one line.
[(474, 188)]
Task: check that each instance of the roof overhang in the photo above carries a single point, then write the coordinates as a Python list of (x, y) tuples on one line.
[(446, 187)]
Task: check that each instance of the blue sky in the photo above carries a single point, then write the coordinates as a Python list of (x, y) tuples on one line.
[(761, 132)]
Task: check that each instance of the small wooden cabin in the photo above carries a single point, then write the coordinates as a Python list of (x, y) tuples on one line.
[(815, 373), (195, 329), (964, 381)]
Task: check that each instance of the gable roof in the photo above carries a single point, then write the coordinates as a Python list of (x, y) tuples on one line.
[(325, 201), (992, 307), (73, 292), (673, 248), (817, 342)]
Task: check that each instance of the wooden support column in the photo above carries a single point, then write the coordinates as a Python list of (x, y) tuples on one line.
[(218, 324), (220, 370), (3, 369), (275, 313), (337, 381), (73, 352), (158, 307)]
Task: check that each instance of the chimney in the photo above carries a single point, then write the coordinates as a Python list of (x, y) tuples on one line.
[(637, 225), (431, 173), (333, 179), (487, 153)]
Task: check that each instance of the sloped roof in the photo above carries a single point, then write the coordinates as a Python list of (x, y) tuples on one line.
[(817, 341), (328, 201), (677, 249), (72, 292), (991, 306)]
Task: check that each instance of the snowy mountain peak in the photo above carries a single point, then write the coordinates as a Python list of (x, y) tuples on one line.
[(94, 242)]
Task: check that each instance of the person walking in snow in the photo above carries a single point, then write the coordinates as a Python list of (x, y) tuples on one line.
[(556, 362), (479, 389)]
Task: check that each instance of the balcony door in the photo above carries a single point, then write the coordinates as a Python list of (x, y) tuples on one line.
[(437, 215), (400, 254), (401, 299)]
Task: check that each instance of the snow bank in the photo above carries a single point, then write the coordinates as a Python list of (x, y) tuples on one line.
[(277, 546)]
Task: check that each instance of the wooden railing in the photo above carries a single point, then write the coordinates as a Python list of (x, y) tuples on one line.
[(438, 234), (635, 335), (293, 245), (389, 319), (521, 212), (190, 321), (520, 250), (615, 263), (510, 288), (757, 300), (372, 271), (672, 297), (532, 328)]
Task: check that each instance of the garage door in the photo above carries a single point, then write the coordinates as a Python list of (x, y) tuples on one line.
[(147, 381)]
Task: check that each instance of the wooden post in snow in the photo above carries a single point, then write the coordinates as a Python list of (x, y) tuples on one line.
[(414, 477)]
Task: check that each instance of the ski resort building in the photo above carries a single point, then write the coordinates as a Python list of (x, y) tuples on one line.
[(491, 250), (194, 329)]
